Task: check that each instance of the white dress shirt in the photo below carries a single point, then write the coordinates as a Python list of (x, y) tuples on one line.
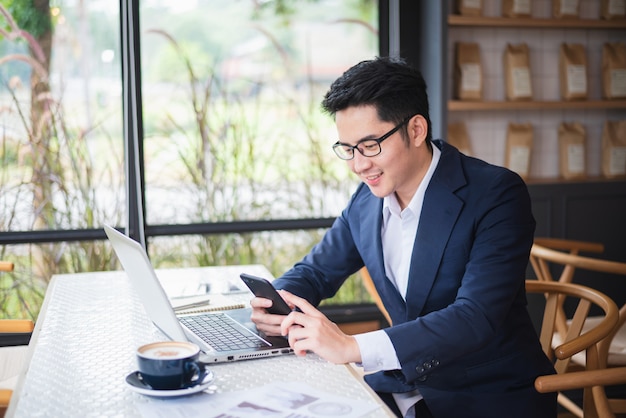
[(398, 236)]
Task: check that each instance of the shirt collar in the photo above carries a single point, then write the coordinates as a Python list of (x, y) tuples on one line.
[(390, 202)]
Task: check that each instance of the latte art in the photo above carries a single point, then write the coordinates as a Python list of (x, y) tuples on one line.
[(165, 351)]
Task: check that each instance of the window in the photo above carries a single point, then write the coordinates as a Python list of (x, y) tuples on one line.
[(231, 122)]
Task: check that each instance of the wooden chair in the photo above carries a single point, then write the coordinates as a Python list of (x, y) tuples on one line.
[(593, 379), (542, 268), (569, 245), (563, 256), (595, 402), (368, 283), (14, 336), (542, 259)]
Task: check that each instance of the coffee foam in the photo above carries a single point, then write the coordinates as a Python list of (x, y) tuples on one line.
[(164, 351)]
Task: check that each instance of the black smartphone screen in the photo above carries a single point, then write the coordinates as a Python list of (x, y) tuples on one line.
[(264, 289)]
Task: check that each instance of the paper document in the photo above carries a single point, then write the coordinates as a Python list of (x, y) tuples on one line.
[(275, 400)]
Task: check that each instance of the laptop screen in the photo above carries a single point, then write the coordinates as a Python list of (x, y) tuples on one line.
[(145, 282)]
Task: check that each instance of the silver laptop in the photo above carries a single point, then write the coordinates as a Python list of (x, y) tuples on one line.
[(222, 336)]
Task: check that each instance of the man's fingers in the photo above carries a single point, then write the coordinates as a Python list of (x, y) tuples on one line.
[(297, 339), (292, 320), (299, 302), (258, 302)]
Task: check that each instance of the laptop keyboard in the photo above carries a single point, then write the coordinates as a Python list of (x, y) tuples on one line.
[(220, 332)]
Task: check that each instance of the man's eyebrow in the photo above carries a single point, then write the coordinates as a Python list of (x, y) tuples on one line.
[(365, 138)]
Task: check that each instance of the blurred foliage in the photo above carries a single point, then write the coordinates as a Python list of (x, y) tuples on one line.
[(209, 142), (28, 16)]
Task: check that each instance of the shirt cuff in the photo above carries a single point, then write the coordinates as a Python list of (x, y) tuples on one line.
[(377, 351)]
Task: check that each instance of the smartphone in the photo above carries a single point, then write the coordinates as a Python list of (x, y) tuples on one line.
[(264, 289)]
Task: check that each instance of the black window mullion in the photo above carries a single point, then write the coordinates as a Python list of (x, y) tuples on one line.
[(133, 121)]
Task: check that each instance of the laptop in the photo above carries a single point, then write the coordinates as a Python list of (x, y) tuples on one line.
[(222, 336)]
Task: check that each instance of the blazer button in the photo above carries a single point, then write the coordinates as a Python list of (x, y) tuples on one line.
[(419, 369), (427, 365), (422, 378)]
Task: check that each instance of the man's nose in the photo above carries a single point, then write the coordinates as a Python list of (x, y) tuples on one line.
[(360, 162)]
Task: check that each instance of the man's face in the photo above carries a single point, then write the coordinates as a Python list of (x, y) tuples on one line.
[(399, 167)]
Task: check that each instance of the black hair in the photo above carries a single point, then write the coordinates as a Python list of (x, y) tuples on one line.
[(392, 86)]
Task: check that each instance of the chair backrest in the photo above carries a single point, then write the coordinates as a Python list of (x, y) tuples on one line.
[(11, 331), (11, 328), (546, 250), (543, 258), (570, 245), (6, 266), (368, 283), (576, 340)]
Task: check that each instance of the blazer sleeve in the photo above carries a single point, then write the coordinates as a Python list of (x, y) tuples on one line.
[(326, 267)]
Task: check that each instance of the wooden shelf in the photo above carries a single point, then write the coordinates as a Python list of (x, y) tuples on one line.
[(584, 180), (457, 20), (555, 31), (458, 105)]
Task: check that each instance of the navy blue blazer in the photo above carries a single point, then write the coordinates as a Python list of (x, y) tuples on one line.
[(463, 337)]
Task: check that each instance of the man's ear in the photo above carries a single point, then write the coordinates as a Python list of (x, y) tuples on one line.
[(417, 130)]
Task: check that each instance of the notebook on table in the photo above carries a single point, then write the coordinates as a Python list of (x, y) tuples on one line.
[(222, 336)]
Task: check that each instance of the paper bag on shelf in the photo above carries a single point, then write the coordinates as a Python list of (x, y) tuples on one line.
[(566, 9), (468, 77), (614, 148), (572, 150), (613, 9), (614, 70), (469, 7), (519, 144), (573, 71), (516, 8), (517, 72)]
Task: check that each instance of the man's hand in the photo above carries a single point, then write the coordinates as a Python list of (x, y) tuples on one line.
[(310, 330), (266, 322)]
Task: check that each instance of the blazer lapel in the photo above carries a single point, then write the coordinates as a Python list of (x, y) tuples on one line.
[(372, 254), (439, 213)]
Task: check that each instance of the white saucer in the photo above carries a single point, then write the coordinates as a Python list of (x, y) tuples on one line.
[(135, 383)]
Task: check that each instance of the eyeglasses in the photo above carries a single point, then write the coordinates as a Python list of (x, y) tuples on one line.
[(367, 147)]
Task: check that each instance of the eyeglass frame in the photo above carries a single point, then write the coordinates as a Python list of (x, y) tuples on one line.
[(377, 140)]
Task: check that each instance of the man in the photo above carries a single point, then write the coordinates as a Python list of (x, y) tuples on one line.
[(446, 239)]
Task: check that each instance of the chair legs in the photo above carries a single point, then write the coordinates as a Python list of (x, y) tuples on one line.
[(5, 397)]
